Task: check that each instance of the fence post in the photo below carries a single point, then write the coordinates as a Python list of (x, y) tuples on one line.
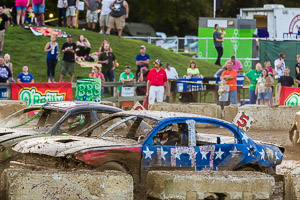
[(206, 49), (149, 39)]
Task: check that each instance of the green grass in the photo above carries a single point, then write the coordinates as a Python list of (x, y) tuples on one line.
[(25, 48)]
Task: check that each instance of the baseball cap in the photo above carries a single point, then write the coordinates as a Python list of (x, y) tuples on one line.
[(69, 36), (167, 64), (127, 67), (157, 61), (143, 47)]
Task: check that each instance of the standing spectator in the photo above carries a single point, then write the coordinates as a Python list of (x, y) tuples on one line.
[(218, 42), (97, 74), (142, 60), (39, 10), (297, 70), (52, 56), (236, 65), (126, 76), (263, 88), (68, 62), (142, 77), (108, 61), (101, 48), (193, 71), (271, 71), (25, 76), (61, 11), (172, 76), (223, 94), (5, 74), (8, 63), (279, 66), (83, 46), (104, 15), (286, 80), (92, 13), (220, 71), (230, 77), (119, 12), (157, 78), (4, 24), (21, 8), (71, 13), (252, 77)]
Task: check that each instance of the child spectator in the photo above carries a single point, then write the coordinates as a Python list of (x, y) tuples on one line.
[(83, 47), (52, 56), (101, 48), (7, 63), (223, 95), (193, 71), (263, 88), (25, 76), (97, 74), (30, 16)]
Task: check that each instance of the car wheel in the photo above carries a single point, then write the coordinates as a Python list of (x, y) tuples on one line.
[(295, 138), (247, 168), (112, 166)]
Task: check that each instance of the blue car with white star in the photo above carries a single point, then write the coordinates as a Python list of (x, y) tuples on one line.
[(136, 142)]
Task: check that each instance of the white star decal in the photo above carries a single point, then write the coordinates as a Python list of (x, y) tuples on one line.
[(235, 152), (245, 137), (262, 154), (163, 153), (148, 153), (219, 154), (177, 154), (204, 153), (249, 153)]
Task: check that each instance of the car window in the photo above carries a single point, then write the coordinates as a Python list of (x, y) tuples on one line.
[(131, 127), (175, 134), (75, 123), (102, 115), (207, 134)]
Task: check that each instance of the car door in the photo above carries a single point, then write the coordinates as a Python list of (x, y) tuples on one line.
[(175, 154)]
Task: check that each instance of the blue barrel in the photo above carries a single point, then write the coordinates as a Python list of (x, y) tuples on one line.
[(196, 85), (240, 81), (181, 86)]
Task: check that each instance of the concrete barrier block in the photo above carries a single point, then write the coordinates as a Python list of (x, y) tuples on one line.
[(27, 185), (230, 112), (181, 185), (292, 185), (8, 107)]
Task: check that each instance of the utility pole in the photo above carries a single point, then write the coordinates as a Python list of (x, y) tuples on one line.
[(215, 8)]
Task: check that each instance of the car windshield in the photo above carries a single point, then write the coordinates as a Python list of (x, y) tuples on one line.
[(130, 127), (33, 119)]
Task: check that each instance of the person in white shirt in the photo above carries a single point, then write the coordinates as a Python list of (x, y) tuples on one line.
[(104, 16), (172, 75), (279, 65)]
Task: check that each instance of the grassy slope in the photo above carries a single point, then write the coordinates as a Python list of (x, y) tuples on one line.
[(25, 48)]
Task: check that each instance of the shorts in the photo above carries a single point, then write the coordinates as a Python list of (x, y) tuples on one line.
[(264, 95), (2, 33), (37, 8), (103, 20), (71, 11), (67, 66), (92, 16), (21, 8), (118, 22)]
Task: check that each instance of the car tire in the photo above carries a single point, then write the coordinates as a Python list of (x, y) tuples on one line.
[(112, 166), (295, 138), (247, 168)]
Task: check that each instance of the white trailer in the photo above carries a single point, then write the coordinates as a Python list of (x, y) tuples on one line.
[(279, 21)]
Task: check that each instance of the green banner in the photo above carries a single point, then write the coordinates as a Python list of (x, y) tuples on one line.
[(88, 89)]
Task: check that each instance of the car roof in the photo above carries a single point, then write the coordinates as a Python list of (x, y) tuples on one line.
[(163, 115), (68, 105)]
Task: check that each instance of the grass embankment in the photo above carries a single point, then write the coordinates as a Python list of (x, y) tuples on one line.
[(25, 48)]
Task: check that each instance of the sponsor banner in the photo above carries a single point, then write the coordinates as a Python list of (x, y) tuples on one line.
[(290, 96), (35, 93), (88, 89)]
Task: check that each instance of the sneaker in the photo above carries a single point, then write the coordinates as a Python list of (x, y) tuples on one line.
[(101, 32)]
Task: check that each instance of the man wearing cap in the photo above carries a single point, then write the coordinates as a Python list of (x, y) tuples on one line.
[(126, 76), (157, 77), (172, 75), (142, 60), (68, 62)]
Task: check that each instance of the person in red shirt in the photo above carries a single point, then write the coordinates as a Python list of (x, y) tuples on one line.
[(230, 76), (157, 78)]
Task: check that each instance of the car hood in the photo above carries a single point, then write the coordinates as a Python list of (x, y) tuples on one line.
[(60, 146), (7, 134)]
